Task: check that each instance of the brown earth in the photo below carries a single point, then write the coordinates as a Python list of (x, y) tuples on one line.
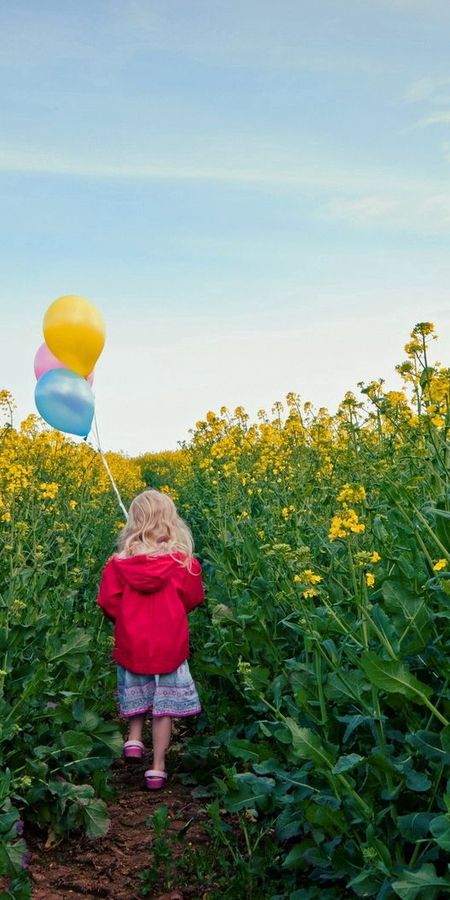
[(110, 866)]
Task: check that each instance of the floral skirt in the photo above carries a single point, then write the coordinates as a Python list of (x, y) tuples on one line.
[(172, 694)]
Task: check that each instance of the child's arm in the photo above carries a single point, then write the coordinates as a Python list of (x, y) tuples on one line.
[(193, 592), (110, 591)]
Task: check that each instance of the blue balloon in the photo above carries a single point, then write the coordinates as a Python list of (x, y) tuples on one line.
[(65, 400)]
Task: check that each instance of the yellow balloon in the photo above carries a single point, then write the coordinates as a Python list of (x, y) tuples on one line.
[(74, 330)]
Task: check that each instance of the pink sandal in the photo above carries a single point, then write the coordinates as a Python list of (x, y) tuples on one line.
[(154, 779), (133, 749)]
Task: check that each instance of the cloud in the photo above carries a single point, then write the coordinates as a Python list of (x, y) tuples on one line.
[(362, 209), (245, 162), (429, 89), (241, 165), (424, 212), (362, 197), (243, 171), (441, 117)]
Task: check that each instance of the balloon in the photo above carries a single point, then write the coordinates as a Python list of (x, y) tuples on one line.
[(74, 331), (65, 400), (46, 360)]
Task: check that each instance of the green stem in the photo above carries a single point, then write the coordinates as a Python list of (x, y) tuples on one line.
[(426, 525), (435, 711), (318, 666), (344, 628)]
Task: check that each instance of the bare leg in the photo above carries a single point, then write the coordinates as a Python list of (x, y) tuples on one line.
[(161, 733), (135, 726)]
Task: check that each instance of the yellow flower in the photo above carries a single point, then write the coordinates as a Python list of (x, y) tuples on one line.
[(73, 504), (351, 494), (375, 557), (423, 328), (310, 577), (336, 529), (441, 564), (6, 517), (49, 490), (342, 525), (311, 592), (370, 579), (297, 578)]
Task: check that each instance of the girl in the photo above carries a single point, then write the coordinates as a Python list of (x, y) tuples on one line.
[(148, 589)]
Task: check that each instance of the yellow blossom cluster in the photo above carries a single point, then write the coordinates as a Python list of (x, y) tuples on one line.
[(344, 524), (49, 490), (42, 468), (350, 494), (310, 578)]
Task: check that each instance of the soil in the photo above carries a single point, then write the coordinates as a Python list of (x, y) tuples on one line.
[(110, 866)]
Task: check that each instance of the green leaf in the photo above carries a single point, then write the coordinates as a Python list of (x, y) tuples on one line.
[(77, 743), (307, 745), (415, 825), (405, 566), (109, 735), (345, 763), (441, 512), (392, 676), (367, 883), (243, 749), (77, 641), (332, 821), (417, 781), (248, 791), (96, 821), (295, 858), (89, 720), (16, 853), (67, 790), (429, 745), (355, 721), (440, 829), (397, 596), (289, 823), (350, 683), (412, 885), (5, 783), (445, 738), (7, 820)]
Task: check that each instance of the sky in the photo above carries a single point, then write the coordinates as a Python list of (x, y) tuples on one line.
[(255, 193)]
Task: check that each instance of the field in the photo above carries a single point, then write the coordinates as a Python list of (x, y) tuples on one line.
[(323, 757)]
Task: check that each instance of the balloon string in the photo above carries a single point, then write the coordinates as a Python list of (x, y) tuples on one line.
[(105, 463)]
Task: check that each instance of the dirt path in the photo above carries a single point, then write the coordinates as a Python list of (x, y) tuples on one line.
[(110, 866)]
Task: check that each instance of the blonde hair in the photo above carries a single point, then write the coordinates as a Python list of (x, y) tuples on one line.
[(154, 527)]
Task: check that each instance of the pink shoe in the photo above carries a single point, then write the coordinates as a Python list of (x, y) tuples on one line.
[(154, 779), (133, 750)]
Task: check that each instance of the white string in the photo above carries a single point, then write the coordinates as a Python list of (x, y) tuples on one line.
[(105, 463)]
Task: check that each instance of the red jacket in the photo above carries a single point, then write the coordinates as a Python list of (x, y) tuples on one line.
[(148, 598)]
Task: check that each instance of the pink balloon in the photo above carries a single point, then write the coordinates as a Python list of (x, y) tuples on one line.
[(45, 360)]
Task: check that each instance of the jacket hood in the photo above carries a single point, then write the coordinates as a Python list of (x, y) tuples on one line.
[(146, 573)]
